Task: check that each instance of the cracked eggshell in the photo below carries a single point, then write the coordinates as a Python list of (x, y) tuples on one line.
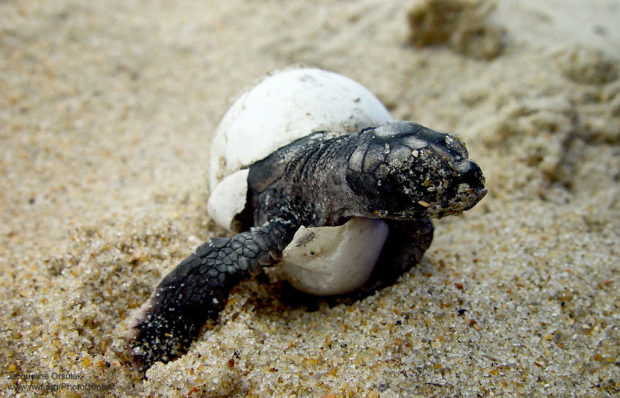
[(327, 261), (228, 199), (280, 109), (284, 107)]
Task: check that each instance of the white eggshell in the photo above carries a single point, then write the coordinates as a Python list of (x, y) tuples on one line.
[(280, 109), (233, 190), (284, 107), (333, 260)]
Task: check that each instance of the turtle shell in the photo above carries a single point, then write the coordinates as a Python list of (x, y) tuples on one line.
[(280, 109)]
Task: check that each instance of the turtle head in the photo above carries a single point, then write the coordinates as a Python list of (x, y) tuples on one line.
[(408, 171)]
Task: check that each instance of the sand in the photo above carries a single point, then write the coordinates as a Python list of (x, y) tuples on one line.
[(106, 114)]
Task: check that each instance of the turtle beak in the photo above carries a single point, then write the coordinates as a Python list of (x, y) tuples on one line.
[(468, 189), (474, 180), (478, 194)]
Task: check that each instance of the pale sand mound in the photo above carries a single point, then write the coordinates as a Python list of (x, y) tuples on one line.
[(105, 119)]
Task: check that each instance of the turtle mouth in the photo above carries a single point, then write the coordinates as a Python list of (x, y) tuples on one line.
[(478, 194), (466, 198)]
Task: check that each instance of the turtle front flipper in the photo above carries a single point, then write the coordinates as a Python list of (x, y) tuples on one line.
[(198, 288)]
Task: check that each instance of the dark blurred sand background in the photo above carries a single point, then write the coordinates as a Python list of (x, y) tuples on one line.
[(106, 114)]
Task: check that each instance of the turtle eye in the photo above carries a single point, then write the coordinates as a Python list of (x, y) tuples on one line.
[(455, 144), (461, 166), (454, 153), (443, 152)]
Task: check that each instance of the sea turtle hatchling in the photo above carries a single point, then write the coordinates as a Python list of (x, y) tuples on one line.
[(312, 173)]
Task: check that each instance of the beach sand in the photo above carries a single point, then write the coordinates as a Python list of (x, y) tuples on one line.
[(106, 115)]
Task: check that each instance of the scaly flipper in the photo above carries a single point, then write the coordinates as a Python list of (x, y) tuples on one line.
[(198, 288)]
